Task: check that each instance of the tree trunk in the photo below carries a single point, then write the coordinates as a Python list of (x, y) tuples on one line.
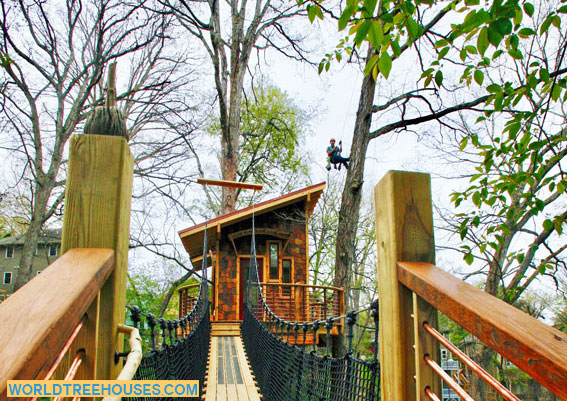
[(25, 271), (483, 356), (171, 291), (230, 140), (352, 192), (229, 167)]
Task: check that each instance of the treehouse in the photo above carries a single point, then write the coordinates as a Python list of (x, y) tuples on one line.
[(281, 237)]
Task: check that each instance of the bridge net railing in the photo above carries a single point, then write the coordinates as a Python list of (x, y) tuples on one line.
[(177, 349), (287, 363)]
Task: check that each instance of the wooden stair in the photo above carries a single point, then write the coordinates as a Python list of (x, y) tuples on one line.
[(225, 329)]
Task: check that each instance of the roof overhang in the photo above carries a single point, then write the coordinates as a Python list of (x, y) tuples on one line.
[(193, 237)]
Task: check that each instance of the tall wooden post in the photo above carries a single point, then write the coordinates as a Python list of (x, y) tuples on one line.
[(404, 232), (97, 215)]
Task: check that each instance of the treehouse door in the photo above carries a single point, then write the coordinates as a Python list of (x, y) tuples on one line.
[(244, 268)]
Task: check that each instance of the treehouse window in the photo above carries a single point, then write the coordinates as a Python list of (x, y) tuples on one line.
[(286, 276), (274, 251)]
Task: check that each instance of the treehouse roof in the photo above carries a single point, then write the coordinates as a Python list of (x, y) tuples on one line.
[(192, 237)]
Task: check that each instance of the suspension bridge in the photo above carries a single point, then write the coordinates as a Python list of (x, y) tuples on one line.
[(68, 322)]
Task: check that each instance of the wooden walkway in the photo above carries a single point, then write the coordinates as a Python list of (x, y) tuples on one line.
[(229, 377)]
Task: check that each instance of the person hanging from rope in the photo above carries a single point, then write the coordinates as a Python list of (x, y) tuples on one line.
[(334, 156)]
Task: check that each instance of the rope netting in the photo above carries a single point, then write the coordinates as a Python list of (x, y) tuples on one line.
[(178, 349), (285, 358)]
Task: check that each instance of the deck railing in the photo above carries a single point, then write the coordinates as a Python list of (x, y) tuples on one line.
[(186, 301), (51, 321), (303, 302), (412, 292)]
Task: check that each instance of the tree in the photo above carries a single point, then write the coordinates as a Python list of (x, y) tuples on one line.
[(322, 239), (362, 135), (14, 213), (323, 233), (154, 292), (512, 214), (52, 60), (560, 316), (490, 36), (560, 320), (258, 25), (271, 128)]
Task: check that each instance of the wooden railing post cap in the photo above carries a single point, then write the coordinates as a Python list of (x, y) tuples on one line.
[(392, 173)]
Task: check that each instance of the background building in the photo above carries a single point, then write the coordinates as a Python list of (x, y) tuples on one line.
[(48, 251)]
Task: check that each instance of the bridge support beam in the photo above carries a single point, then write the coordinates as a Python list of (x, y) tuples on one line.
[(404, 232), (97, 215)]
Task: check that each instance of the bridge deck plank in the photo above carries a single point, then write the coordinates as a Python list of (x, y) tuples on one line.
[(211, 391), (229, 377), (251, 389)]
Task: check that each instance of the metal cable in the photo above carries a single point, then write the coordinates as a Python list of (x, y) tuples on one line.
[(472, 365)]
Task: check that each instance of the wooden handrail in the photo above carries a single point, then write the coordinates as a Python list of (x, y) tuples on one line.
[(38, 318), (325, 287), (298, 304), (534, 347), (188, 286)]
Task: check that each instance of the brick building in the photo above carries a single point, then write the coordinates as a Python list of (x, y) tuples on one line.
[(281, 247)]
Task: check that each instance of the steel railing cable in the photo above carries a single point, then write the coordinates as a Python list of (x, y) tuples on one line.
[(284, 355), (177, 349)]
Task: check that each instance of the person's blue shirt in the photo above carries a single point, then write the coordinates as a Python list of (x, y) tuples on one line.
[(333, 150)]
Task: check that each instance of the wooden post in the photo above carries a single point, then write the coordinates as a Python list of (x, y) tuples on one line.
[(97, 215), (325, 303), (404, 232), (296, 296)]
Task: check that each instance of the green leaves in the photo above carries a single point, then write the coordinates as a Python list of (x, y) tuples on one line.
[(362, 32), (370, 64), (502, 26), (517, 166), (5, 60), (345, 17), (375, 34), (552, 19), (479, 77), (439, 78), (314, 11), (525, 33), (482, 41), (529, 9), (271, 129), (385, 64), (368, 7)]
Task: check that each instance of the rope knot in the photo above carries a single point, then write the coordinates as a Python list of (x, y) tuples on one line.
[(135, 315), (351, 318)]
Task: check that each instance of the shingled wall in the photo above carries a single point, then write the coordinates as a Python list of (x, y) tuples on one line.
[(288, 219)]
